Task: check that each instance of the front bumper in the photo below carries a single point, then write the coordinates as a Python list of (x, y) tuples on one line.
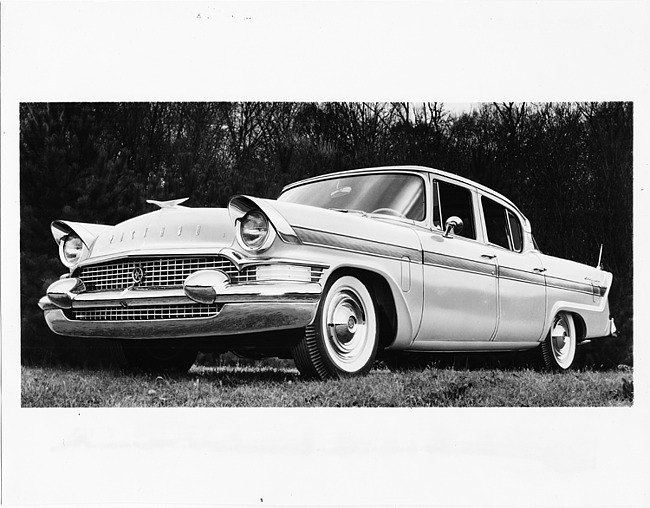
[(240, 309)]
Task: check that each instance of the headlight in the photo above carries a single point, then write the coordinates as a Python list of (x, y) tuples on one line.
[(255, 231), (71, 249)]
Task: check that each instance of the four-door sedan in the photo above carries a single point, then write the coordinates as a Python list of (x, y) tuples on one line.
[(338, 268)]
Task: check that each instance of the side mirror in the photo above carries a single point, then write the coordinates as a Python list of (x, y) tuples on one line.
[(453, 225)]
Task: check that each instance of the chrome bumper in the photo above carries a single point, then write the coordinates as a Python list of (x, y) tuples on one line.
[(613, 332), (241, 309)]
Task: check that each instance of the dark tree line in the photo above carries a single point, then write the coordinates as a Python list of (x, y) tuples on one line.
[(568, 166)]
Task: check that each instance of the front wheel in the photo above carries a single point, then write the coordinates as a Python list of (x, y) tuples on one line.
[(343, 340), (559, 347)]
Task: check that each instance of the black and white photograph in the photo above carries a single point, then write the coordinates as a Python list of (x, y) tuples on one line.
[(314, 253), (348, 273)]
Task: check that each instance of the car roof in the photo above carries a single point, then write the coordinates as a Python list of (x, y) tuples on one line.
[(414, 168)]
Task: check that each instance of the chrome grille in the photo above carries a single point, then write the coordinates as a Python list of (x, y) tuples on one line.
[(147, 312), (158, 272)]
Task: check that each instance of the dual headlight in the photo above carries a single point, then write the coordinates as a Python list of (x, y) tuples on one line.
[(71, 249), (255, 232)]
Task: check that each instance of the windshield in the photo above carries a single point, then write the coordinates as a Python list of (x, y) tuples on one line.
[(397, 195)]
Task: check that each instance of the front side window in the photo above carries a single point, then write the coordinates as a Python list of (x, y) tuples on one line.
[(503, 227), (516, 232), (398, 195), (455, 201)]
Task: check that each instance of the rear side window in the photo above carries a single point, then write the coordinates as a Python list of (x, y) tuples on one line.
[(456, 200), (503, 227)]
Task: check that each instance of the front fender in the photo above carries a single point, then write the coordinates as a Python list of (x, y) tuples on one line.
[(86, 231), (407, 301)]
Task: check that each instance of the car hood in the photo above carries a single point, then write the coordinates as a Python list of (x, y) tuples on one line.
[(206, 230), (177, 229)]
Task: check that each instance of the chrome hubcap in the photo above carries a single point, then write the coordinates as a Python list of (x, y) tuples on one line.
[(347, 329), (562, 341)]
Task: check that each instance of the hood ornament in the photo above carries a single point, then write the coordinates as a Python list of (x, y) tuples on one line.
[(172, 203)]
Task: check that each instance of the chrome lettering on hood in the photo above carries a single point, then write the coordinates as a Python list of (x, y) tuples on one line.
[(171, 228)]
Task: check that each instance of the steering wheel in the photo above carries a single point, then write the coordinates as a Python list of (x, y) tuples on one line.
[(389, 211)]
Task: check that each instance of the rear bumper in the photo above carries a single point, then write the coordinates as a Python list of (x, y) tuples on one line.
[(613, 332), (133, 314)]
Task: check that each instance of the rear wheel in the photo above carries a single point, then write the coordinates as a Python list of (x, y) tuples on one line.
[(344, 338), (152, 356), (559, 348)]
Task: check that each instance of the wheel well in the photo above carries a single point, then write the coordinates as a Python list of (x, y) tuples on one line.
[(581, 327), (579, 323), (383, 298)]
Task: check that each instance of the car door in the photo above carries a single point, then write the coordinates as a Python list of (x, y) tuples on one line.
[(521, 285), (460, 289)]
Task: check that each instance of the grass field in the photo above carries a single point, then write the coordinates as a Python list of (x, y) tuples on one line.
[(267, 386)]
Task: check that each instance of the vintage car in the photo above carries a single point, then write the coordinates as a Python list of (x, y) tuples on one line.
[(339, 268)]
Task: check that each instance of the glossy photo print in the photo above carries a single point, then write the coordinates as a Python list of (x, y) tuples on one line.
[(324, 253)]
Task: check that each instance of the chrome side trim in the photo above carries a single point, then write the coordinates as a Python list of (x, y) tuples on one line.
[(504, 272), (358, 245), (578, 287), (520, 275), (455, 263)]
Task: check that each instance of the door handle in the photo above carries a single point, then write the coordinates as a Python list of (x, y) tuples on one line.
[(539, 270), (488, 256)]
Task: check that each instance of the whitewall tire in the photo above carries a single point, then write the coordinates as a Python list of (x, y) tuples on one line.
[(344, 338), (559, 347)]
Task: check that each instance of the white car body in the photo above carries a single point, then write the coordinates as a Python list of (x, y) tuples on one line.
[(429, 288)]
